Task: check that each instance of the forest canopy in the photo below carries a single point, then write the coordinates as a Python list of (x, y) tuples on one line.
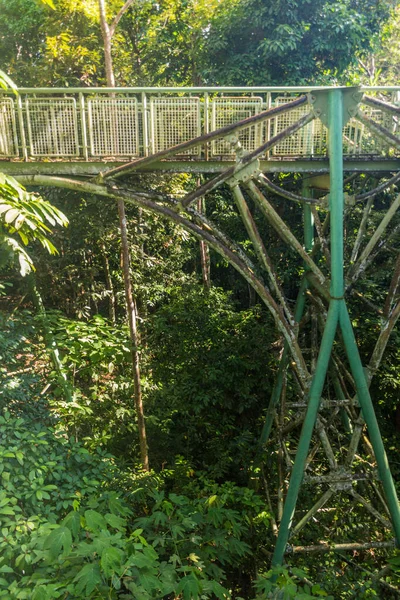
[(207, 42)]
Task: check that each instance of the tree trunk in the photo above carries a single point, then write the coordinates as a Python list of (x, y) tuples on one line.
[(204, 251), (105, 31), (107, 34), (133, 333)]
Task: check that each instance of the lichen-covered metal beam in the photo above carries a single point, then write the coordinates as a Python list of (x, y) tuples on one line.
[(260, 249), (380, 188), (171, 212), (381, 132), (381, 105), (270, 186), (247, 159), (359, 266), (282, 229)]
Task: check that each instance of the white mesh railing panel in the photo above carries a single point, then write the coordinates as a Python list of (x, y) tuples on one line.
[(227, 110), (300, 143), (173, 121), (8, 146), (113, 126), (359, 139), (52, 127), (353, 134)]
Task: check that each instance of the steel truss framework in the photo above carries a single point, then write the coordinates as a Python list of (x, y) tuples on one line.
[(320, 434)]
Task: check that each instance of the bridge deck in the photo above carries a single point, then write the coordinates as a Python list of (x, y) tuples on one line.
[(84, 130)]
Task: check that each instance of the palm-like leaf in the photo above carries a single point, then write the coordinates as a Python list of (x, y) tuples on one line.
[(28, 216)]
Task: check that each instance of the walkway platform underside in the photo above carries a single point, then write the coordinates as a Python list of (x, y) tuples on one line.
[(93, 168)]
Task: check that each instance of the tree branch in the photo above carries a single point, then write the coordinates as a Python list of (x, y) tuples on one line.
[(120, 14)]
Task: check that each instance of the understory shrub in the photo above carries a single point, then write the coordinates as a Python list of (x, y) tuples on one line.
[(66, 533)]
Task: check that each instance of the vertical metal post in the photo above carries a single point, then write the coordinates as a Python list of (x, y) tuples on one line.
[(206, 121), (22, 128), (15, 133), (145, 125), (335, 116), (335, 123), (83, 126)]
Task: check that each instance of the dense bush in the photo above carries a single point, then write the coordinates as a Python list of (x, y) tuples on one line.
[(211, 372)]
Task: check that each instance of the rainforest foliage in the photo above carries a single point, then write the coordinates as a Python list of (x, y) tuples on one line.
[(79, 517)]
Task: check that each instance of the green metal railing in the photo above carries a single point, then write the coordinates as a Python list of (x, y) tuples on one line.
[(92, 124)]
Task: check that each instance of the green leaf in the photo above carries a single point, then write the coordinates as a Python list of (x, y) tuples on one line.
[(59, 539), (116, 522), (7, 510), (6, 569), (11, 215), (88, 578), (73, 522), (95, 521), (189, 587), (111, 560)]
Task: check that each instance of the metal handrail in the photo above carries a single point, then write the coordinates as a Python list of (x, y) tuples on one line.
[(92, 123)]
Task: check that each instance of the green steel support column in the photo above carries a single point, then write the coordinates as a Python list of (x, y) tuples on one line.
[(306, 433), (335, 120), (368, 413), (335, 125), (298, 313)]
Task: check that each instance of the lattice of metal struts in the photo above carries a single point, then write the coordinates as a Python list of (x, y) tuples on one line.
[(306, 142), (174, 120), (52, 127), (8, 130), (227, 110), (358, 139), (113, 126)]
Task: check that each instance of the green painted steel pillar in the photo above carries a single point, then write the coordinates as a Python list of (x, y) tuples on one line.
[(337, 315), (335, 126), (369, 416)]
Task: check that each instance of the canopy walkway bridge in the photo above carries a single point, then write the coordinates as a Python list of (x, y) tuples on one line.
[(320, 439), (80, 130)]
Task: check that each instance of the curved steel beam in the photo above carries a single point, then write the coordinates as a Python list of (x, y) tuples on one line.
[(207, 232)]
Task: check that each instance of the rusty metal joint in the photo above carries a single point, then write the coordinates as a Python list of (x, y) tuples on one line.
[(245, 173)]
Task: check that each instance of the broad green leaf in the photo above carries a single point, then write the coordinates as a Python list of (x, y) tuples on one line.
[(7, 510), (40, 593), (73, 522), (6, 569), (95, 521), (111, 560), (11, 215), (59, 539), (116, 522), (189, 586), (88, 578)]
